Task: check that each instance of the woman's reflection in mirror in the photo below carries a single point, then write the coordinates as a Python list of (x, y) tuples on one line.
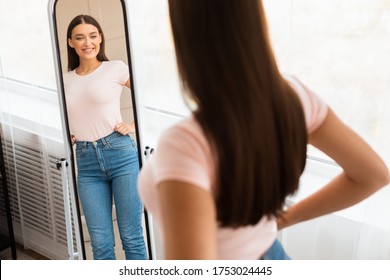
[(106, 155)]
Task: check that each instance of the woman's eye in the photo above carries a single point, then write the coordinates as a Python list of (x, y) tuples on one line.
[(93, 37)]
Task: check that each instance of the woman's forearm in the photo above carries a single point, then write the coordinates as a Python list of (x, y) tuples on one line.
[(340, 193), (364, 172)]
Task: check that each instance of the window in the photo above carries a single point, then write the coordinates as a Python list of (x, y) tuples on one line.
[(25, 46), (339, 49)]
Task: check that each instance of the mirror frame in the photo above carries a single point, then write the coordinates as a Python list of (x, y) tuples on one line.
[(65, 122)]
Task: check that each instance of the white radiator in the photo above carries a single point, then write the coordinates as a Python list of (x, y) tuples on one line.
[(35, 189)]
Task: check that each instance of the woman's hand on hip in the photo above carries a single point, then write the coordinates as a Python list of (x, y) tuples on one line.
[(125, 128)]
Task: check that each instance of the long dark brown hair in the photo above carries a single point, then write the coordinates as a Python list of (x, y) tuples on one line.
[(253, 119), (73, 58)]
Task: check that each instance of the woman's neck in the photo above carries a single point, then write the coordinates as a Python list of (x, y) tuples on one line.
[(87, 67)]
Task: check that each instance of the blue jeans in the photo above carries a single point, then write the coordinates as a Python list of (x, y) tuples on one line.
[(275, 252), (107, 171)]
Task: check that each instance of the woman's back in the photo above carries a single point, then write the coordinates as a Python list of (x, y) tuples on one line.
[(184, 154)]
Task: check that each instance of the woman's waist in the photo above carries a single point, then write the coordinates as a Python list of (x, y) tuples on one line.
[(249, 242), (93, 129), (100, 141)]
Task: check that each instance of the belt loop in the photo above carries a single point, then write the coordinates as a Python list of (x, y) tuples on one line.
[(104, 141)]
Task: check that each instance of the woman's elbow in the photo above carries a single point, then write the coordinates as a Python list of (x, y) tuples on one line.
[(373, 178), (386, 177), (380, 178)]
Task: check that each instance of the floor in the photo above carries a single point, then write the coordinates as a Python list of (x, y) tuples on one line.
[(26, 254), (21, 254)]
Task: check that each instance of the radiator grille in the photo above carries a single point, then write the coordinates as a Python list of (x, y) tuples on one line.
[(37, 183)]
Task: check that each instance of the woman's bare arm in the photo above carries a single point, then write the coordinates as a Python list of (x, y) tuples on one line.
[(364, 173), (127, 84), (189, 221)]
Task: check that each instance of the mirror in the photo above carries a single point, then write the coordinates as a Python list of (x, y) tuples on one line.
[(105, 150)]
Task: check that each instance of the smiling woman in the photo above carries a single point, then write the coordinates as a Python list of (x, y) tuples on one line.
[(101, 130), (106, 155), (84, 43)]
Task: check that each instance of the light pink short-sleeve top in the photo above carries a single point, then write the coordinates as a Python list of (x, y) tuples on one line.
[(183, 154), (93, 100)]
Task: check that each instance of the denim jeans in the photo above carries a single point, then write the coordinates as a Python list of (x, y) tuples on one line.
[(107, 171), (275, 252)]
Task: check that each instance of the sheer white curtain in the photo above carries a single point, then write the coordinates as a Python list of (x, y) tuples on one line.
[(340, 50), (159, 101), (30, 123)]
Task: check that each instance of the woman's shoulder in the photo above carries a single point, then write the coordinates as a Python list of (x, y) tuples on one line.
[(118, 69), (68, 75), (314, 107), (183, 154), (114, 63), (187, 127), (186, 135)]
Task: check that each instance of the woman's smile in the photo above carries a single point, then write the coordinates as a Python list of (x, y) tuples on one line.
[(86, 41)]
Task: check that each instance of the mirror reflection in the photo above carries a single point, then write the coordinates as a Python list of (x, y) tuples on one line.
[(97, 83)]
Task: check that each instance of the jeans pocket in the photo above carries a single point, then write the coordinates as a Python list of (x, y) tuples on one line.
[(80, 151), (121, 142)]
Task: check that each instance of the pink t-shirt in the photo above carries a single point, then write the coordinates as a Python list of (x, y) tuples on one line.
[(93, 100), (183, 154)]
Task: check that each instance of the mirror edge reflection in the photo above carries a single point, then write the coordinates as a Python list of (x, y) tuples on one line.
[(148, 224), (66, 134)]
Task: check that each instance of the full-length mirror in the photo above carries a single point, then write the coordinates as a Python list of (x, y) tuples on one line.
[(95, 73)]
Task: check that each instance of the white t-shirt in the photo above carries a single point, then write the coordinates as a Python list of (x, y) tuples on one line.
[(183, 154), (93, 100)]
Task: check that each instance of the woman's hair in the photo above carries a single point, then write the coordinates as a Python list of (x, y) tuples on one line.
[(251, 116), (73, 58)]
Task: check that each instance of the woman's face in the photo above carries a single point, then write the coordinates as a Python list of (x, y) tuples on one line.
[(85, 39)]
